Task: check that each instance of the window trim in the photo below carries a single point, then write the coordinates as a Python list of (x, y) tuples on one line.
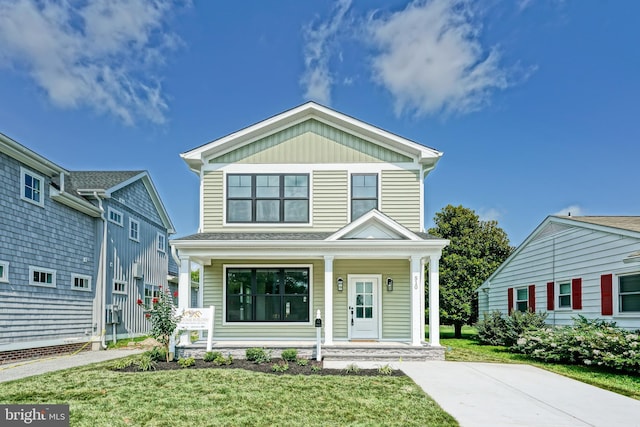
[(266, 266), (253, 199), (155, 293), (570, 294), (131, 222), (617, 296), (162, 249), (33, 269), (80, 276), (516, 300), (117, 212), (350, 195), (122, 282), (23, 173), (4, 277)]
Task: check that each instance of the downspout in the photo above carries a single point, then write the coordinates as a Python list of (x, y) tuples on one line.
[(103, 262)]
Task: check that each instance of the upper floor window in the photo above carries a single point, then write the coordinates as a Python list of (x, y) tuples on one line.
[(116, 217), (364, 194), (4, 271), (564, 295), (161, 242), (31, 187), (42, 277), (119, 287), (80, 282), (268, 198), (629, 293), (134, 230)]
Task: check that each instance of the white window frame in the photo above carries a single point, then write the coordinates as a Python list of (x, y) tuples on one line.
[(4, 276), (350, 190), (116, 212), (23, 173), (33, 269), (617, 296), (516, 300), (268, 324), (137, 223), (570, 294), (81, 277), (124, 287), (155, 293), (161, 238)]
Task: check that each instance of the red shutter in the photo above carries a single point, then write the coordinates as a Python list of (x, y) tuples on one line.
[(532, 298), (576, 294), (550, 295), (510, 299), (606, 292)]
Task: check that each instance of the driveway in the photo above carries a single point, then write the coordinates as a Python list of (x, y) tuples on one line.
[(493, 394)]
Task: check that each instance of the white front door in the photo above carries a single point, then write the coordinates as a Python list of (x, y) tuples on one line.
[(364, 312)]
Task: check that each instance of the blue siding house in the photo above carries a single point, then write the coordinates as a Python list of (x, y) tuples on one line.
[(74, 245)]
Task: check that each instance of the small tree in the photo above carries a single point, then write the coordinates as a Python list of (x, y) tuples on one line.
[(163, 317)]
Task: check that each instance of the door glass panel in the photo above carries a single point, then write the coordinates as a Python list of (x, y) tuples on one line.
[(368, 287), (359, 301), (359, 312), (364, 300), (359, 287), (368, 312), (368, 300)]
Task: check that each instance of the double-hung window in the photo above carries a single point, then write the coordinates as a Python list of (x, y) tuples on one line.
[(134, 230), (268, 198), (364, 194), (522, 299), (564, 295), (267, 294), (150, 292), (31, 187), (629, 293), (161, 242)]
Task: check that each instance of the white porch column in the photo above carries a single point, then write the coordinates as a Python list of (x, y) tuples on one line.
[(184, 292), (327, 320), (416, 317), (422, 305), (434, 300)]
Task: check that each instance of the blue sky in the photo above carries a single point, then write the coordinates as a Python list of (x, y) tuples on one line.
[(533, 102)]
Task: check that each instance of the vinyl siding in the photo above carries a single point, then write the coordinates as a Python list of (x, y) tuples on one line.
[(401, 197), (213, 201), (573, 253)]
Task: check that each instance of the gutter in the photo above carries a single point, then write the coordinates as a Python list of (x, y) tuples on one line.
[(103, 279)]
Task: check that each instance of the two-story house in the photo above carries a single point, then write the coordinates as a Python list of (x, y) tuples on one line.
[(314, 212), (72, 246)]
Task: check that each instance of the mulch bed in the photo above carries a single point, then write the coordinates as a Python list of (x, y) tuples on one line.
[(294, 368)]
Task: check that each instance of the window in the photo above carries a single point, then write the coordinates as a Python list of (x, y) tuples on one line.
[(162, 242), (564, 295), (80, 282), (522, 299), (31, 187), (4, 271), (42, 277), (268, 198), (364, 194), (115, 216), (119, 287), (629, 293), (134, 230), (267, 294), (150, 292)]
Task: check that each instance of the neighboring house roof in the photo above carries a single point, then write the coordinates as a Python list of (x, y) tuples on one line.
[(624, 225), (105, 183), (428, 157)]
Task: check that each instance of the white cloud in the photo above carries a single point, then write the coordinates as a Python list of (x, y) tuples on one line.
[(574, 210), (490, 214), (320, 41), (97, 54), (430, 58)]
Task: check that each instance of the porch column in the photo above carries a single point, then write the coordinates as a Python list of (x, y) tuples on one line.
[(184, 292), (328, 300), (416, 317), (434, 300)]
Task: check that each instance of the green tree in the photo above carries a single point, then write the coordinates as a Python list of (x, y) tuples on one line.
[(477, 248)]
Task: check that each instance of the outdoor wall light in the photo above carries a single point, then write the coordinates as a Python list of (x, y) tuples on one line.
[(340, 284), (389, 284)]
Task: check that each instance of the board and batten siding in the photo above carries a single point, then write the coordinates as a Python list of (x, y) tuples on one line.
[(213, 281), (401, 197), (574, 253), (54, 237)]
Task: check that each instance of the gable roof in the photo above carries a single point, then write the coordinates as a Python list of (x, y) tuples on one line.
[(374, 225), (629, 223), (105, 183), (424, 155)]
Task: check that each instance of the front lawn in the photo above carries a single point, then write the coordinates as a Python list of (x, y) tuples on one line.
[(99, 396)]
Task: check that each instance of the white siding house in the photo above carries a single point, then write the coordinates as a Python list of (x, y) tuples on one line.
[(569, 266)]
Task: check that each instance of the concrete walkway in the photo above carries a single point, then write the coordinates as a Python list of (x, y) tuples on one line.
[(492, 394), (15, 371)]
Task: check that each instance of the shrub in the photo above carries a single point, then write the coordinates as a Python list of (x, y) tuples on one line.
[(385, 370), (258, 355), (186, 362), (163, 317), (290, 354), (316, 368), (302, 362), (352, 369), (217, 358), (497, 329), (145, 362), (210, 356), (280, 367), (157, 354), (123, 363)]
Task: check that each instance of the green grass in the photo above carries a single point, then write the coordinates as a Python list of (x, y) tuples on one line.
[(467, 349), (125, 342), (100, 397)]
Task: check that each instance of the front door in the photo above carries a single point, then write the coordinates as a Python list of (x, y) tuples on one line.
[(364, 313)]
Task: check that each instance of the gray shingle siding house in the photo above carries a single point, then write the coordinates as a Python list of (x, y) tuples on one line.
[(58, 276)]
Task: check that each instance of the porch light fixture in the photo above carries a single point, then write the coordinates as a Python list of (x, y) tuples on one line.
[(340, 284), (389, 284)]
